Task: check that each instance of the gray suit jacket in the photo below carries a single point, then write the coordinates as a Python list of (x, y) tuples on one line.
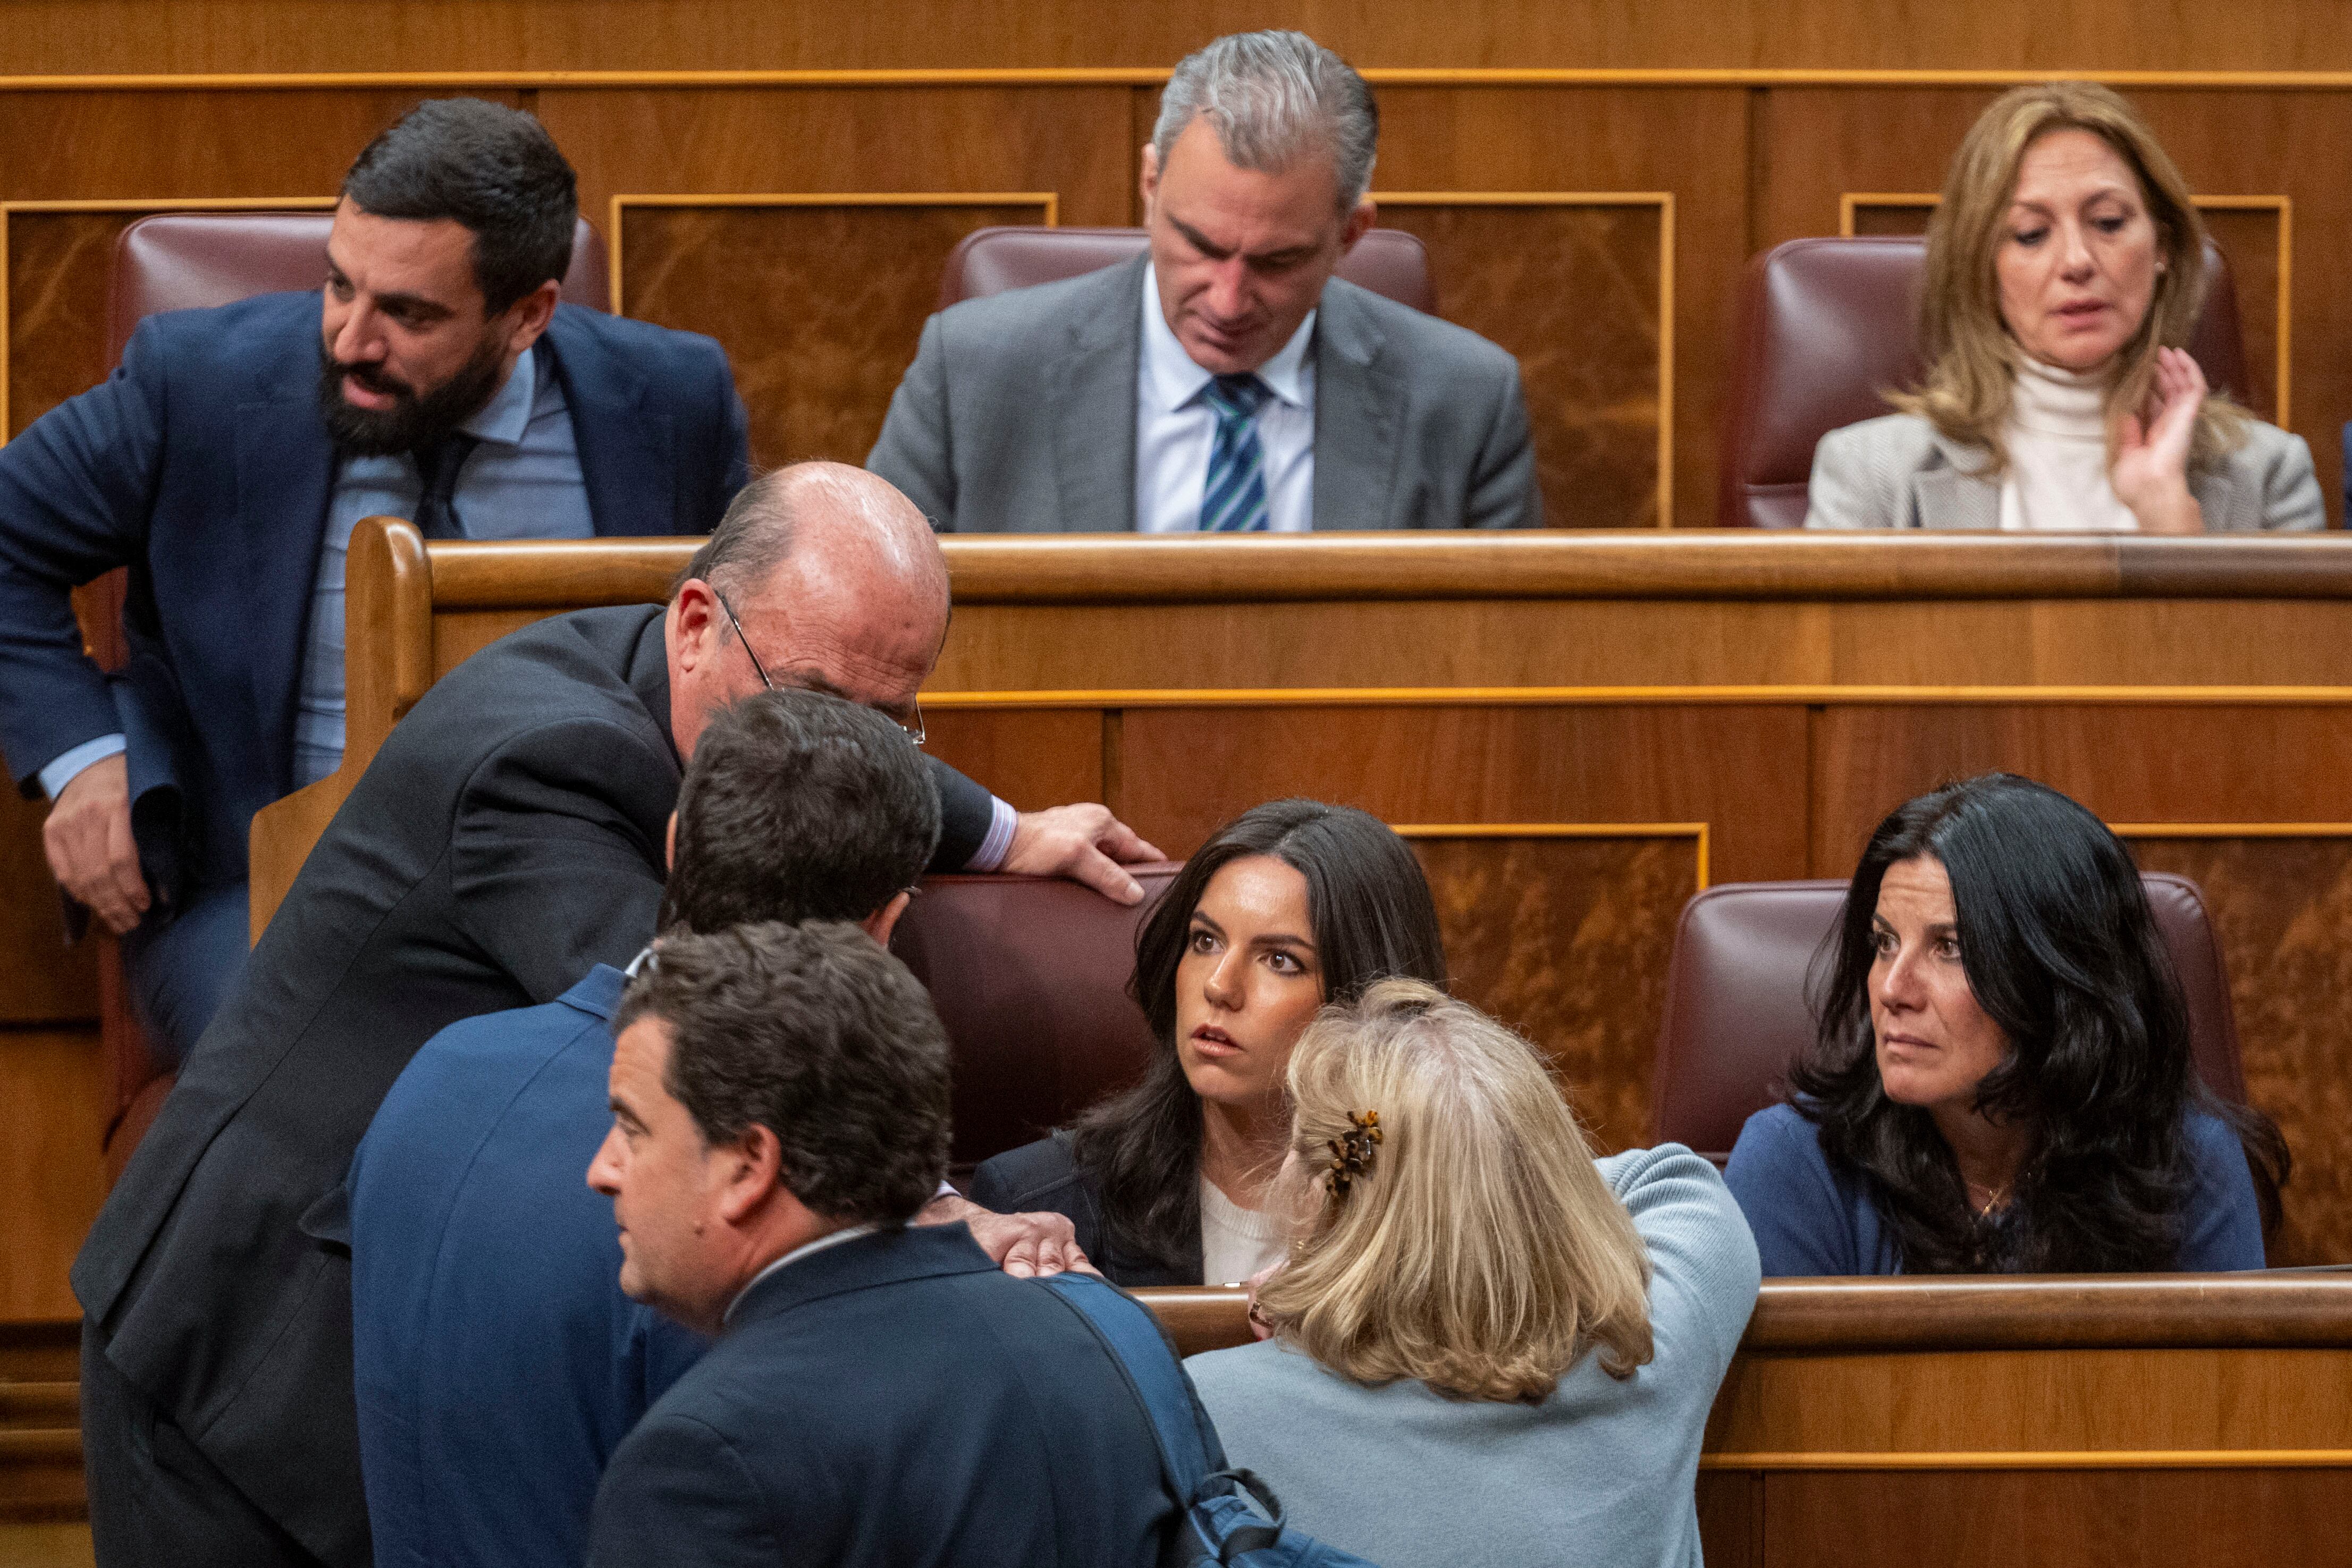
[(1018, 415), (1895, 472)]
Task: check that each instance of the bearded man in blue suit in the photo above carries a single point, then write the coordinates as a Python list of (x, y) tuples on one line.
[(435, 376)]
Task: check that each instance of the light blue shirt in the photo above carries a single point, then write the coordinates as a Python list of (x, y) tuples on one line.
[(522, 482)]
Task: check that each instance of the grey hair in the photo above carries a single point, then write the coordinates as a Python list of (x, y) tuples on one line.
[(1270, 97)]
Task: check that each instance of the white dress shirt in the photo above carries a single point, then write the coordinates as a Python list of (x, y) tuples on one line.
[(1174, 424)]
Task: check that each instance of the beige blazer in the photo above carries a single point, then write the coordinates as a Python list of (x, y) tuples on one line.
[(1895, 472)]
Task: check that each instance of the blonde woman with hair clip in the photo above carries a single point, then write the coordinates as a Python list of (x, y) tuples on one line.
[(1488, 1347), (2066, 275)]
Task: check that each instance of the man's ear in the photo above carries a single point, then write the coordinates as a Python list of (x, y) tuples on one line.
[(1148, 180), (669, 843), (753, 1173), (1359, 222), (693, 620), (884, 920), (528, 317)]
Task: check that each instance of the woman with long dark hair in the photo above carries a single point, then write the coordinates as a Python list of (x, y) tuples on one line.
[(2001, 1080), (1287, 907)]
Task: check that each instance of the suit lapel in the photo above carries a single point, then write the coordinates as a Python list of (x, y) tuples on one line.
[(1359, 402), (1950, 495), (1094, 407), (285, 474), (626, 448)]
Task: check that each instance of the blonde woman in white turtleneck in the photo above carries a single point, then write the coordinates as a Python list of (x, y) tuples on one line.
[(2065, 265)]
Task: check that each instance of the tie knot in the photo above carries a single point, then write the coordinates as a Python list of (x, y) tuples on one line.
[(1237, 396)]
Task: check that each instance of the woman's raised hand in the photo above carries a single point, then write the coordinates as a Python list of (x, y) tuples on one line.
[(2151, 467)]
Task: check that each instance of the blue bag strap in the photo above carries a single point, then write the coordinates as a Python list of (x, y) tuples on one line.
[(1128, 1327)]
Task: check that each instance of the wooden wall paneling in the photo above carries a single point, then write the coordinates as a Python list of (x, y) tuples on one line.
[(2236, 1517), (1563, 932), (1032, 757), (2281, 903), (1187, 769), (1731, 1519), (1821, 141), (53, 1099), (1581, 288), (61, 36), (1573, 304), (2256, 234), (818, 299), (42, 981)]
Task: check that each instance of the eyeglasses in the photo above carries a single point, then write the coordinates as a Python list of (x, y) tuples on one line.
[(914, 731)]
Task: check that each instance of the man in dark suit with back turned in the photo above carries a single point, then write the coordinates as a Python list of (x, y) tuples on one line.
[(1226, 381), (225, 464), (879, 1397), (507, 837)]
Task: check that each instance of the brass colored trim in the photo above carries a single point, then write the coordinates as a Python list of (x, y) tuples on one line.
[(1049, 200), (1665, 201), (1649, 696), (126, 204)]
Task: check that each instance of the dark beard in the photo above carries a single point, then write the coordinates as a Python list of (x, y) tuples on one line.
[(412, 421)]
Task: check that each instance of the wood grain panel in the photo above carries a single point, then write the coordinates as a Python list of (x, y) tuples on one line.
[(1033, 758), (57, 266), (1731, 1518), (1690, 142), (54, 1101), (819, 307), (2253, 233), (78, 35), (1819, 142), (1578, 290), (41, 979), (2177, 762), (2281, 906), (1185, 769), (1565, 939), (2217, 1518)]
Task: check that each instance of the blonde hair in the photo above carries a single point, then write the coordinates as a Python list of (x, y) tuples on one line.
[(1480, 1251), (1973, 359)]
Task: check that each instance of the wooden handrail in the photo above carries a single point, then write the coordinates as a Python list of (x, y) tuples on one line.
[(1639, 563), (2144, 1312)]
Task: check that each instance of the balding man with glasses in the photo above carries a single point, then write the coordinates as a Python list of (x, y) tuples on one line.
[(507, 837)]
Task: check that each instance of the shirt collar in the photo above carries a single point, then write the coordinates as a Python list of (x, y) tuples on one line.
[(834, 1239), (1174, 380), (506, 416)]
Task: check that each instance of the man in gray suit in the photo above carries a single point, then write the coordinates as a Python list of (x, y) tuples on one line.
[(1226, 381)]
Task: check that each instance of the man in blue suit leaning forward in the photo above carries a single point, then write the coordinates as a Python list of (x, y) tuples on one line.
[(879, 1394), (484, 1271), (435, 377)]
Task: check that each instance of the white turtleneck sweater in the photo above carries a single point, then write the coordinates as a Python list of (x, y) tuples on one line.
[(2057, 440)]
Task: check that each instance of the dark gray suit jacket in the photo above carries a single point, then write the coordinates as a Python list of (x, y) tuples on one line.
[(1018, 416), (507, 837)]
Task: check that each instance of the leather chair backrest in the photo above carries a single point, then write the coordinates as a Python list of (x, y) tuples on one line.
[(1029, 975), (1828, 326), (1736, 1015), (183, 261), (1388, 261)]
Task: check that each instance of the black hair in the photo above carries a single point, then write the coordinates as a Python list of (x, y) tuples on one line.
[(2062, 952), (491, 168), (815, 1033), (1373, 919), (798, 806)]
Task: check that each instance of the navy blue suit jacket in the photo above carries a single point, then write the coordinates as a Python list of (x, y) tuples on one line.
[(202, 464), (889, 1402), (485, 1279)]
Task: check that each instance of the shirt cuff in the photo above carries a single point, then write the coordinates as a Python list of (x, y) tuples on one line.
[(62, 771), (1002, 819)]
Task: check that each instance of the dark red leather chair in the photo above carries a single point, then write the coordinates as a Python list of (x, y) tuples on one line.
[(1826, 326), (1030, 976), (1737, 1014), (181, 261), (1388, 261)]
